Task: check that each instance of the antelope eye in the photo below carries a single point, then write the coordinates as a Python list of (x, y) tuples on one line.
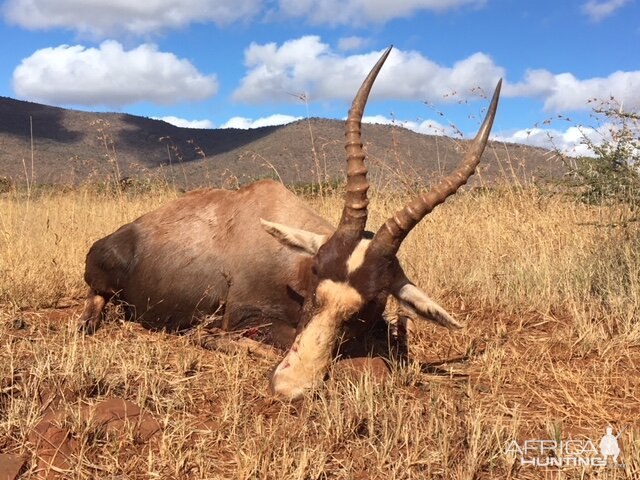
[(317, 300)]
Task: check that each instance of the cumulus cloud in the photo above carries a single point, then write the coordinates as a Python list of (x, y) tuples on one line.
[(245, 123), (182, 122), (359, 12), (110, 75), (307, 65), (570, 141), (277, 73), (101, 18), (598, 10), (427, 127), (564, 91)]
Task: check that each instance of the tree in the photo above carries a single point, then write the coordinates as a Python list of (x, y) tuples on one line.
[(612, 174)]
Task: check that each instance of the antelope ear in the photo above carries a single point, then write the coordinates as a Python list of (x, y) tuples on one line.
[(303, 240), (419, 303)]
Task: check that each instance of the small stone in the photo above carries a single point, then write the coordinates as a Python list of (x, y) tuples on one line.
[(114, 414), (10, 466), (55, 447)]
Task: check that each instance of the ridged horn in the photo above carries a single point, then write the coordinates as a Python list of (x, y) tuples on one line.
[(389, 237), (354, 213)]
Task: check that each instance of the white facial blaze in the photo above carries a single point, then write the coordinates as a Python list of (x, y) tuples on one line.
[(307, 361), (356, 259)]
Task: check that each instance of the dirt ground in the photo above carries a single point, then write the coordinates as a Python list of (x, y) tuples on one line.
[(510, 378)]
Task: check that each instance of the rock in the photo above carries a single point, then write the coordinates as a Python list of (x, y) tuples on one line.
[(114, 415), (55, 447), (10, 466)]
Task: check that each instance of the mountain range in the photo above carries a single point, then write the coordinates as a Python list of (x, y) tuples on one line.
[(52, 145)]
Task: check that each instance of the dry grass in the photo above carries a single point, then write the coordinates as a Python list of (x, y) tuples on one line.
[(550, 290)]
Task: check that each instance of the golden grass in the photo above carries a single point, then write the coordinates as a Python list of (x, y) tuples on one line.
[(550, 290)]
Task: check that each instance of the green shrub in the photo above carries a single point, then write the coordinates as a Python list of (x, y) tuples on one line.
[(612, 174)]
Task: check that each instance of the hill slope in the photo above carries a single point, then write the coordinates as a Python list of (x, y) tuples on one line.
[(71, 146)]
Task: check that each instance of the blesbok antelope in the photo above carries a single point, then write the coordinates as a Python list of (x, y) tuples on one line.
[(261, 257)]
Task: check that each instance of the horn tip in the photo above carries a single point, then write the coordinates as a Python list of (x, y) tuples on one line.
[(498, 87), (494, 101), (386, 53)]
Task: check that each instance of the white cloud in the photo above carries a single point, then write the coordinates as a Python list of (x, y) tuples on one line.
[(599, 10), (427, 127), (307, 65), (100, 18), (277, 73), (360, 12), (110, 75), (352, 43), (181, 122), (562, 92), (570, 141), (245, 123)]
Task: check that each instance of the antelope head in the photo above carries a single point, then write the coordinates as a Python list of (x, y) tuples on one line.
[(354, 271)]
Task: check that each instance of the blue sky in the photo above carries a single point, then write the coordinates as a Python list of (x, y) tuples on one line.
[(248, 63)]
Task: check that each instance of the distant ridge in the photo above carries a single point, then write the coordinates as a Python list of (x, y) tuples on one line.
[(72, 147)]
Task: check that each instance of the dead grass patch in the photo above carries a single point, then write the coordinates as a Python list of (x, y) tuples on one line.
[(550, 290)]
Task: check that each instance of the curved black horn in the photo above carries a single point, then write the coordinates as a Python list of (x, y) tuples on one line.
[(354, 213), (389, 237)]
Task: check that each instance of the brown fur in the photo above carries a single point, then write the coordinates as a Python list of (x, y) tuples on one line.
[(207, 252)]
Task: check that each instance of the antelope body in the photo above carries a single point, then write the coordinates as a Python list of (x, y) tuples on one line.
[(260, 257), (207, 252)]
